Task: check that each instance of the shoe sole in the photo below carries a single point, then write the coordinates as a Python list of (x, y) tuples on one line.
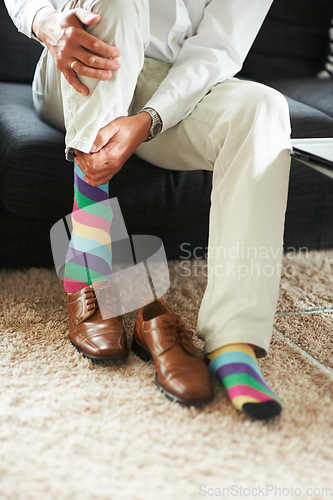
[(145, 355), (100, 358)]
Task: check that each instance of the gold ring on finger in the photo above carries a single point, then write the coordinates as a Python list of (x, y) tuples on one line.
[(73, 64)]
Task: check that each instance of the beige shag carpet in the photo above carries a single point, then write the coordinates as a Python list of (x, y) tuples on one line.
[(77, 430)]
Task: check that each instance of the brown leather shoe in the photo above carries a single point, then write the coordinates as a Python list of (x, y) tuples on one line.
[(162, 335), (93, 336)]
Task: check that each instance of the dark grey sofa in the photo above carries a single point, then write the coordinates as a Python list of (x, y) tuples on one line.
[(36, 181)]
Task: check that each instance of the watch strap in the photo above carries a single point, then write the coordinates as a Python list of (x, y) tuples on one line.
[(156, 123)]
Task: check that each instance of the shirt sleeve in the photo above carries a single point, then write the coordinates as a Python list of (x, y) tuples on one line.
[(214, 54), (23, 12)]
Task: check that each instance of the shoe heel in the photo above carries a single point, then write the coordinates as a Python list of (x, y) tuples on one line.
[(140, 351)]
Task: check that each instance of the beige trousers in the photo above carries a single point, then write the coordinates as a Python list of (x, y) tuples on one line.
[(241, 132)]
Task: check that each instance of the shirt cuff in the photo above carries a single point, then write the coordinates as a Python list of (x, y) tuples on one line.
[(167, 108), (33, 7)]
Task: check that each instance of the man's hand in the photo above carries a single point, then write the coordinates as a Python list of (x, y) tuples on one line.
[(114, 144), (69, 44)]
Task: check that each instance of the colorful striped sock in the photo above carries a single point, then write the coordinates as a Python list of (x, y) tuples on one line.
[(89, 255), (236, 366)]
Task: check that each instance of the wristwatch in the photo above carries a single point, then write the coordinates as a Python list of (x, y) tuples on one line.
[(156, 123)]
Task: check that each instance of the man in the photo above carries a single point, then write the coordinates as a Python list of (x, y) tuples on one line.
[(156, 77)]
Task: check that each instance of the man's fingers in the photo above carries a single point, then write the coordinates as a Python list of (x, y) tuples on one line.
[(96, 167), (86, 17), (104, 136), (98, 62), (96, 178), (99, 142), (93, 66), (72, 79), (93, 44), (102, 175), (83, 70)]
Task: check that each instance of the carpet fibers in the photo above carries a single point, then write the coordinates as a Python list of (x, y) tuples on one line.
[(73, 429)]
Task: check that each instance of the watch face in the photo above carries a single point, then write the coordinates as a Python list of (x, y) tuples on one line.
[(156, 129)]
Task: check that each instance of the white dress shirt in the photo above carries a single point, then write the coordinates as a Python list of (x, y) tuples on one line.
[(205, 40)]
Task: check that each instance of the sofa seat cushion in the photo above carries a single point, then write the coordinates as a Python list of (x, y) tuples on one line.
[(37, 181), (315, 93), (307, 121), (310, 105)]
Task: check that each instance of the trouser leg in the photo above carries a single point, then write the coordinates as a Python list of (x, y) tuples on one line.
[(124, 24), (240, 131)]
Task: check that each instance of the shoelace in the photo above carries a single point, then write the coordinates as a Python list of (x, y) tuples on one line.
[(178, 331), (91, 299), (103, 298)]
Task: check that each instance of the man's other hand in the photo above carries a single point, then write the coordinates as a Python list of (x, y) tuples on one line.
[(75, 51), (114, 144)]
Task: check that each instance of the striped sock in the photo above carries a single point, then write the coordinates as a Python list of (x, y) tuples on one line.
[(89, 254), (236, 366)]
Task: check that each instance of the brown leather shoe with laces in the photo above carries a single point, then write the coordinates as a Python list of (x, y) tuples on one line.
[(163, 336), (93, 336)]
